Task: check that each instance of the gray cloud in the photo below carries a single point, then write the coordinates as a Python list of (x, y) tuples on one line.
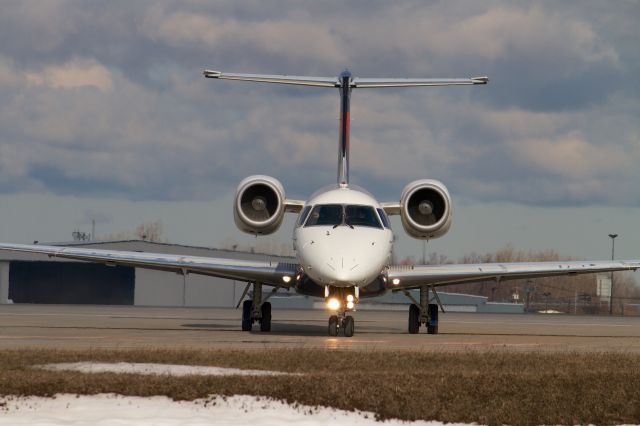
[(107, 98)]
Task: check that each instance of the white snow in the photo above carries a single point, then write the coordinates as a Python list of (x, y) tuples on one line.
[(110, 409), (155, 369)]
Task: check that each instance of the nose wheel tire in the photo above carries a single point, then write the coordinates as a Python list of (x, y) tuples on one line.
[(414, 319), (349, 326), (333, 325)]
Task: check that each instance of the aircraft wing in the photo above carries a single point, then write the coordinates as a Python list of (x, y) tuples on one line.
[(439, 275), (271, 273)]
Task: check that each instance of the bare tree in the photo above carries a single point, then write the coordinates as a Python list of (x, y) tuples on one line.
[(567, 293), (264, 245), (147, 231)]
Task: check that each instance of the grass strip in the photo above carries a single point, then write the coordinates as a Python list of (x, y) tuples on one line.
[(484, 387)]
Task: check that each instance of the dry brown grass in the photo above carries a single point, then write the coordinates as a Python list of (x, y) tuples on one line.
[(490, 388)]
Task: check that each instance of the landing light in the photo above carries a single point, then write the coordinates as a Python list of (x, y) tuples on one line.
[(350, 305), (395, 281), (286, 278), (333, 304), (349, 297)]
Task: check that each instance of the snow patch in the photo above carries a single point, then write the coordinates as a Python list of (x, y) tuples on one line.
[(110, 409), (155, 369)]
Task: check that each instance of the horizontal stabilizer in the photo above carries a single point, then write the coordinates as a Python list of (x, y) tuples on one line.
[(360, 83), (282, 79), (355, 83)]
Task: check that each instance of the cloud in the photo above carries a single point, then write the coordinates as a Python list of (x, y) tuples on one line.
[(572, 156), (72, 75), (107, 98), (302, 40)]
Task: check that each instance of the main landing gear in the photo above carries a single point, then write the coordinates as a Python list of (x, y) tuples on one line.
[(423, 312), (256, 310)]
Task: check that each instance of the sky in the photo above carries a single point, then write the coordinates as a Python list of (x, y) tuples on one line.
[(105, 115)]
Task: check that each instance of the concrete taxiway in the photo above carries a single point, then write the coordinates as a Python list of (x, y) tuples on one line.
[(78, 327)]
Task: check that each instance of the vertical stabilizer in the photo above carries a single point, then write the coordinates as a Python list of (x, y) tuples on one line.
[(343, 140)]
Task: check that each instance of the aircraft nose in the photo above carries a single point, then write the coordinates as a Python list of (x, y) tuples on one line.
[(345, 267), (349, 261)]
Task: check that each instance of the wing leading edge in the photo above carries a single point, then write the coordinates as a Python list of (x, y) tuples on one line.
[(438, 275), (266, 272)]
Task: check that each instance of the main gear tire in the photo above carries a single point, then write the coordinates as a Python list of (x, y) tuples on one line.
[(265, 321), (247, 323), (414, 319)]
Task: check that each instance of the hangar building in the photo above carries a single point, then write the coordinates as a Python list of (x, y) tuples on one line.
[(37, 278)]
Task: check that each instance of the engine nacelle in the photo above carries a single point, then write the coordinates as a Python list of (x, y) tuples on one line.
[(425, 209), (259, 205)]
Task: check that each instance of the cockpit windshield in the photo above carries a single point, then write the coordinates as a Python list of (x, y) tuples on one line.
[(325, 214), (339, 214), (361, 216)]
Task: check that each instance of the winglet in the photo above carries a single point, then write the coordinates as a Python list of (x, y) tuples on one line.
[(211, 74), (480, 80)]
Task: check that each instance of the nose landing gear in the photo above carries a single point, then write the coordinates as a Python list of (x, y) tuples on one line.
[(341, 322), (341, 300)]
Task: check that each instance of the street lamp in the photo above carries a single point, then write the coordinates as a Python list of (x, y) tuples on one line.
[(528, 290), (613, 251)]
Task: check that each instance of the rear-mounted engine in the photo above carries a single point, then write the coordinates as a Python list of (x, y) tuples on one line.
[(425, 209), (259, 205)]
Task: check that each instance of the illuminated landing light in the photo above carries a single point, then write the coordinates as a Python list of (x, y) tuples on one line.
[(286, 279), (395, 281), (333, 304), (350, 305), (349, 298)]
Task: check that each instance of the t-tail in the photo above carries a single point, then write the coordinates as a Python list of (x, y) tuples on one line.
[(345, 83)]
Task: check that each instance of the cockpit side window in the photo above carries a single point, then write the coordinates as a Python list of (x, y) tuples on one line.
[(326, 214), (361, 216), (303, 215), (384, 218)]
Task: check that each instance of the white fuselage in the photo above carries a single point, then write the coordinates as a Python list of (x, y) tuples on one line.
[(338, 254)]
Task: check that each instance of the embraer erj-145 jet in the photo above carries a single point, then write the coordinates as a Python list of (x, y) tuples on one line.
[(342, 238)]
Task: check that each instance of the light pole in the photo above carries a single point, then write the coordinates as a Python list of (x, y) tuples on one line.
[(528, 290), (546, 294), (613, 251)]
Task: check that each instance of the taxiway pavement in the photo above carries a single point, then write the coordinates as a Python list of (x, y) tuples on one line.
[(82, 326)]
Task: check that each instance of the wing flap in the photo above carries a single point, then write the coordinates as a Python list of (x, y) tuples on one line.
[(438, 275), (267, 272)]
